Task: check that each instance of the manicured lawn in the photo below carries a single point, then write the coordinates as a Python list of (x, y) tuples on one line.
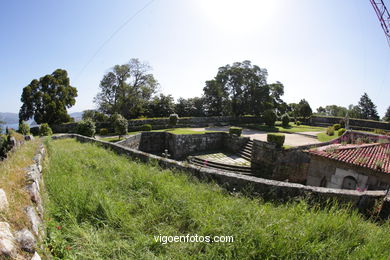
[(104, 206), (323, 137), (183, 131)]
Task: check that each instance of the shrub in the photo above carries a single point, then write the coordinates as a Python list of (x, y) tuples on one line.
[(298, 123), (269, 117), (146, 127), (336, 127), (341, 131), (173, 119), (277, 139), (86, 128), (235, 130), (44, 130), (285, 120), (24, 128), (330, 131), (120, 125), (379, 131), (103, 131)]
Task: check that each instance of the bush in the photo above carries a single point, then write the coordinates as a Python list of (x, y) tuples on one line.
[(44, 130), (330, 131), (285, 120), (235, 130), (103, 131), (379, 131), (336, 127), (269, 117), (24, 128), (120, 125), (86, 128), (277, 139), (298, 123), (173, 119), (146, 127), (341, 131)]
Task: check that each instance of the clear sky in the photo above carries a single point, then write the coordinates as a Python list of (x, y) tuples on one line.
[(326, 51)]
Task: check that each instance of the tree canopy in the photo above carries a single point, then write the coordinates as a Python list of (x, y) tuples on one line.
[(242, 88), (387, 115), (126, 89), (367, 108), (47, 99)]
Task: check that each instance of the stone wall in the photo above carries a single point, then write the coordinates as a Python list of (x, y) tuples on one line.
[(354, 123), (132, 141), (27, 238), (233, 143), (268, 189), (280, 164)]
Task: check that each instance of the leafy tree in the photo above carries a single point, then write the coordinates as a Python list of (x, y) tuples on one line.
[(24, 128), (387, 115), (241, 88), (332, 110), (95, 116), (48, 98), (120, 125), (293, 110), (367, 108), (44, 130), (304, 108), (354, 111), (126, 89), (190, 107), (161, 106), (86, 127), (270, 117)]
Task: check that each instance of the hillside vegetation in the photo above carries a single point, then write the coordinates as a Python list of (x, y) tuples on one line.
[(104, 206)]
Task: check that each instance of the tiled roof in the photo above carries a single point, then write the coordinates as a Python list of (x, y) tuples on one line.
[(373, 156)]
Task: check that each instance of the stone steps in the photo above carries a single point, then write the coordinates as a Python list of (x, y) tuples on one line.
[(220, 166)]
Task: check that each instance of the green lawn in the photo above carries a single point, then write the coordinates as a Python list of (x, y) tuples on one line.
[(323, 137), (104, 206), (183, 131)]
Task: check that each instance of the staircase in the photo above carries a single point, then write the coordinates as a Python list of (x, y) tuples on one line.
[(245, 153)]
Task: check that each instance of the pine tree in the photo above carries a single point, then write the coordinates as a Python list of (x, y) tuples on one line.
[(367, 108)]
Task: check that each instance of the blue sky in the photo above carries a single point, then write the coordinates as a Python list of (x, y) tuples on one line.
[(328, 51)]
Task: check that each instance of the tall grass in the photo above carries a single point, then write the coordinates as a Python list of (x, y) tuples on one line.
[(104, 206)]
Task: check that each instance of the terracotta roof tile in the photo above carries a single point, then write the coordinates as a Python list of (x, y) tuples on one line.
[(373, 156)]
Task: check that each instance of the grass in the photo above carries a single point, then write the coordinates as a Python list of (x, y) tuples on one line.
[(184, 131), (104, 206), (323, 137), (13, 182)]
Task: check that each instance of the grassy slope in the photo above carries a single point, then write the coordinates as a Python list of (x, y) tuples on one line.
[(13, 181), (323, 137), (292, 128), (104, 206)]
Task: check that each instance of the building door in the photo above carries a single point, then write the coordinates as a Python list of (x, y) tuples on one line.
[(349, 183)]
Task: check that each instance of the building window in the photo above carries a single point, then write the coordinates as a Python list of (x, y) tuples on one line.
[(349, 183), (323, 182)]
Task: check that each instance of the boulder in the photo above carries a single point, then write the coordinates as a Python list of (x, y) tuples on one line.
[(34, 219), (3, 201), (36, 256), (28, 137), (26, 240), (7, 241)]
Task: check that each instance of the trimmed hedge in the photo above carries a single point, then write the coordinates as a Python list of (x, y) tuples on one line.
[(277, 139), (44, 130), (285, 120), (146, 127), (330, 131), (341, 131), (86, 128), (336, 127), (235, 130), (270, 117)]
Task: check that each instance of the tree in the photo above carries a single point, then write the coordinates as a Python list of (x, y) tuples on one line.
[(48, 98), (304, 108), (332, 110), (367, 108), (94, 115), (354, 111), (241, 88), (120, 125), (387, 115), (126, 89), (161, 106), (190, 107)]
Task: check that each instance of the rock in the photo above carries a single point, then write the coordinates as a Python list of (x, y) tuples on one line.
[(7, 241), (12, 141), (26, 240), (33, 173), (34, 219), (3, 201), (38, 159), (33, 190), (28, 137), (36, 256)]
